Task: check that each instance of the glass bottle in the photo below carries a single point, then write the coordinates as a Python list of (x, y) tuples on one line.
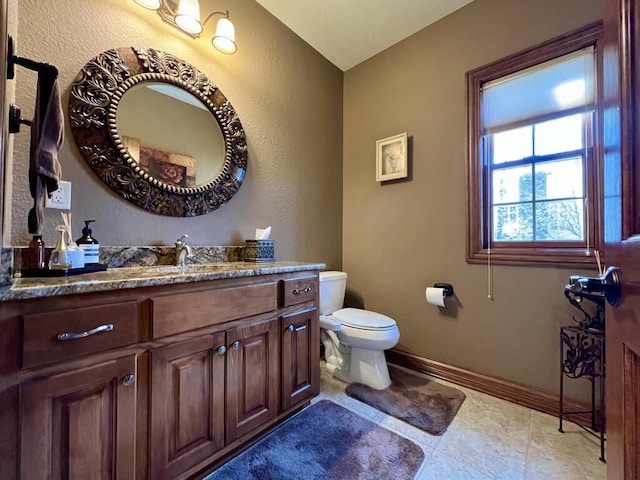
[(35, 253)]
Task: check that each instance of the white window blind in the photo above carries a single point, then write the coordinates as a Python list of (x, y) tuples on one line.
[(559, 85)]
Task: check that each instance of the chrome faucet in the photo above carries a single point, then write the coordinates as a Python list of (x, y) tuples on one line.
[(183, 251)]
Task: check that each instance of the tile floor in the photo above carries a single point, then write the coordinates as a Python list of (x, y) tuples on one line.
[(490, 439)]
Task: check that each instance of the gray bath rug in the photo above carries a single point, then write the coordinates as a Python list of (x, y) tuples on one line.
[(328, 442), (420, 402)]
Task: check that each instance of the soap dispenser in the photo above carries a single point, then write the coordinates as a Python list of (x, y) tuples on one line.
[(90, 245)]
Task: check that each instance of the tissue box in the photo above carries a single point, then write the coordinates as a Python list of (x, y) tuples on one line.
[(259, 251)]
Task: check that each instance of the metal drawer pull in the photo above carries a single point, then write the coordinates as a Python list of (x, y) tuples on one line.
[(72, 336), (222, 350), (291, 328), (301, 290), (128, 380), (235, 345)]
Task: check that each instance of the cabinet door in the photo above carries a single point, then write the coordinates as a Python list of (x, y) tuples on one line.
[(80, 424), (187, 404), (300, 357), (252, 377)]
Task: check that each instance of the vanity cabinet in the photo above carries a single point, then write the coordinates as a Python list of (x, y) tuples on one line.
[(208, 392), (252, 377), (187, 421), (77, 420), (159, 382), (80, 424), (300, 340), (300, 354)]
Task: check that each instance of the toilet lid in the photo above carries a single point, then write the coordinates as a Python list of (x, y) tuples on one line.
[(364, 319)]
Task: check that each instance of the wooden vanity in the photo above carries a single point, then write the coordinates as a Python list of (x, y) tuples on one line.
[(159, 381)]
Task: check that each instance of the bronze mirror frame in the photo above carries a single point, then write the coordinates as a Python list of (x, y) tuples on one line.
[(93, 104)]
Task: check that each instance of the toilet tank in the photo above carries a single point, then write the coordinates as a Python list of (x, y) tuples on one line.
[(332, 288)]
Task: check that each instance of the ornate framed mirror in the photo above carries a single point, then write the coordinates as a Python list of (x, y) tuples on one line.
[(158, 132)]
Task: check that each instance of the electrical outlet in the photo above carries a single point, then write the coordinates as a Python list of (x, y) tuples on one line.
[(61, 198)]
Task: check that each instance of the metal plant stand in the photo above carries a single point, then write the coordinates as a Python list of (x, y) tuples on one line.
[(582, 355)]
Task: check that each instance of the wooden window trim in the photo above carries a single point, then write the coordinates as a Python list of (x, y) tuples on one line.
[(529, 253)]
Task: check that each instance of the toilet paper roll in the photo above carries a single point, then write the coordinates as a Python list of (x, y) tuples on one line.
[(435, 296)]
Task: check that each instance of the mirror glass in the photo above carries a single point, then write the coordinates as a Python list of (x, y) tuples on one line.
[(171, 134), (158, 132)]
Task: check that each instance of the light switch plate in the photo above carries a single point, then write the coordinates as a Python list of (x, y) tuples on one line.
[(61, 198)]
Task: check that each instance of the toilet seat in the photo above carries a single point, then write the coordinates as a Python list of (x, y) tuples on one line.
[(367, 330), (364, 319)]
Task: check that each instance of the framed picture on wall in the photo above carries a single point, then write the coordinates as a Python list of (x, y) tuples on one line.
[(391, 158)]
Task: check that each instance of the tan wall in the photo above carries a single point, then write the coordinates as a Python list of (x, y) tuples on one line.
[(401, 237), (288, 97)]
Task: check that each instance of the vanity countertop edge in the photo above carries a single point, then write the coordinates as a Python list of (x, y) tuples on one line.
[(137, 277)]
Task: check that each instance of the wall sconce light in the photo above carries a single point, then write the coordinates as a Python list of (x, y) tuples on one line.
[(185, 16)]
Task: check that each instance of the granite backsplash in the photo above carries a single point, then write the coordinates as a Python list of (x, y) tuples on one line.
[(14, 259)]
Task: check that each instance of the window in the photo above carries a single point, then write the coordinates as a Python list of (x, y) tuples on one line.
[(533, 193)]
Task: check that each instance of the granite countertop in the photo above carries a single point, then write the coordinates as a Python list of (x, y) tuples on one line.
[(145, 276)]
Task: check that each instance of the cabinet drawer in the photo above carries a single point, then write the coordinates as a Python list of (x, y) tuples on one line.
[(54, 336), (298, 290), (180, 313)]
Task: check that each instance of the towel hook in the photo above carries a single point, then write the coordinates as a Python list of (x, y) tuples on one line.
[(40, 67), (14, 60), (15, 120)]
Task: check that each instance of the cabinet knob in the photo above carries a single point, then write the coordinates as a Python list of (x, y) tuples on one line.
[(128, 380), (235, 345), (222, 350), (290, 328)]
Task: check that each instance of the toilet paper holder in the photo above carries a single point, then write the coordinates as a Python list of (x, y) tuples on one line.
[(448, 288)]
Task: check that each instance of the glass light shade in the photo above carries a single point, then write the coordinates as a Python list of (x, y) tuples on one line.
[(150, 4), (188, 17), (225, 38)]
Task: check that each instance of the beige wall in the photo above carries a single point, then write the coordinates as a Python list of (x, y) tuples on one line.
[(401, 237), (288, 97)]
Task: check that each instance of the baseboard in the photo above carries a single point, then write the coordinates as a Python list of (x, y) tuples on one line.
[(513, 392)]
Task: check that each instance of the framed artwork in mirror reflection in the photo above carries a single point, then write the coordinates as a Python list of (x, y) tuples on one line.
[(391, 158), (170, 168)]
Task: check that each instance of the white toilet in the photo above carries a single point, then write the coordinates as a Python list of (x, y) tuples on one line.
[(354, 340)]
